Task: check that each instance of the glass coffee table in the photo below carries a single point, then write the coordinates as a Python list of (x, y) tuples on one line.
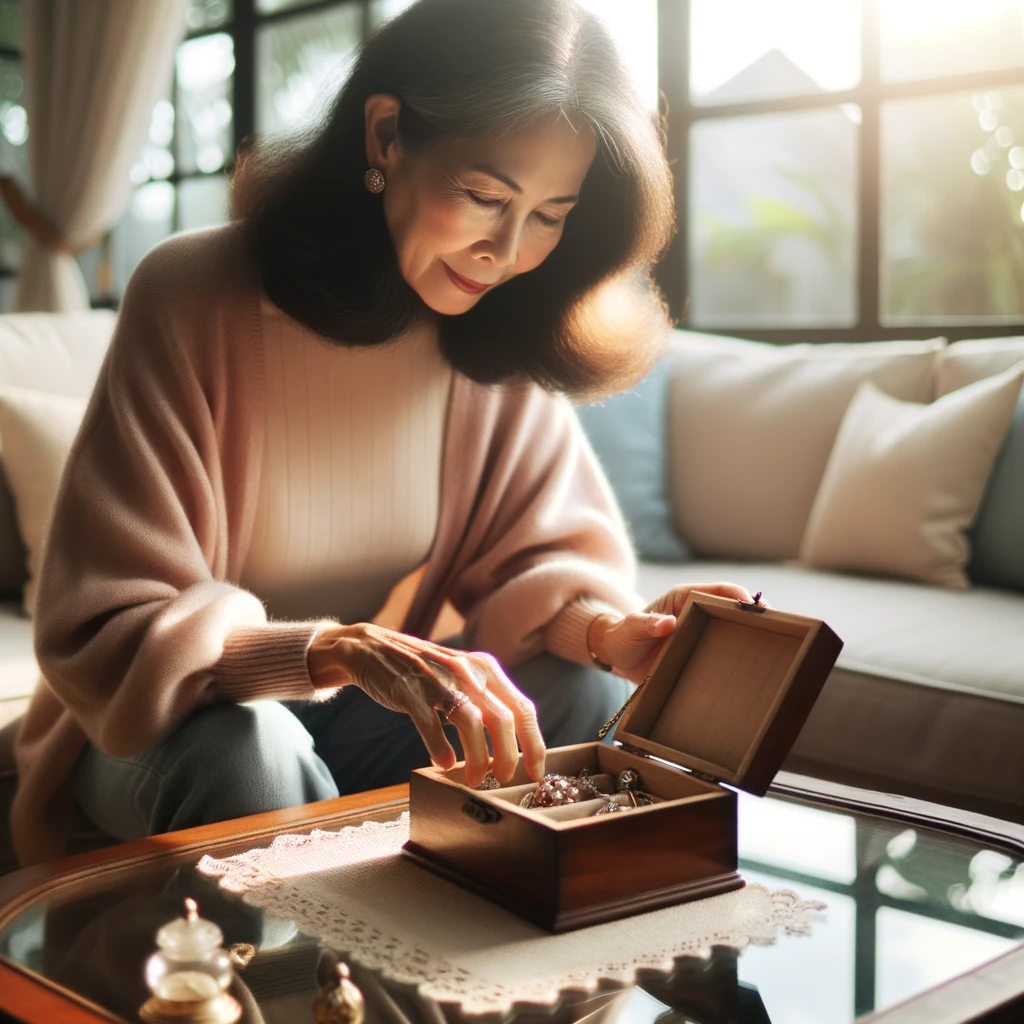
[(925, 923)]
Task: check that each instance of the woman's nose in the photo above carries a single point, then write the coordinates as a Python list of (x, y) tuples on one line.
[(502, 248)]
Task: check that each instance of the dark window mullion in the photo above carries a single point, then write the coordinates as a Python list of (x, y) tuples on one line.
[(674, 83), (865, 94), (243, 31), (869, 183), (306, 8)]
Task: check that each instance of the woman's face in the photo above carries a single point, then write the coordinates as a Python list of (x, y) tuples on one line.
[(469, 214)]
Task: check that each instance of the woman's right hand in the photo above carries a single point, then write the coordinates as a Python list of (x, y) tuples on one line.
[(417, 678)]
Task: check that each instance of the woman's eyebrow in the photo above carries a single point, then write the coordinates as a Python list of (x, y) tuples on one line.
[(515, 186)]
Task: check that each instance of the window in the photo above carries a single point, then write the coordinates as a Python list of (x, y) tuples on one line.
[(13, 139), (846, 171), (258, 66)]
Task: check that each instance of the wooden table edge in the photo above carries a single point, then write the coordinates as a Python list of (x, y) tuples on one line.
[(24, 886), (987, 993)]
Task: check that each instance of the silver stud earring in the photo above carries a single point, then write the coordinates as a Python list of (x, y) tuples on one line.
[(374, 181)]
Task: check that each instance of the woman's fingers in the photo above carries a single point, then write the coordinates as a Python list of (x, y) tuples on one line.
[(467, 718), (731, 590), (482, 678), (432, 733), (673, 601), (494, 704), (527, 728)]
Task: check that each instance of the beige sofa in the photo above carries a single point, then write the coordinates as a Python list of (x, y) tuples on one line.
[(927, 698), (928, 695)]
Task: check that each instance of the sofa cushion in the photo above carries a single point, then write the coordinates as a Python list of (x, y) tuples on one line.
[(927, 697), (905, 481), (752, 426), (998, 534), (56, 352), (37, 430), (628, 434), (965, 362)]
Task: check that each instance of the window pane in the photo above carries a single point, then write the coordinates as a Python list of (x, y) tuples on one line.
[(936, 38), (11, 240), (272, 6), (772, 220), (952, 208), (755, 49), (13, 155), (149, 220), (13, 121), (302, 62), (382, 10), (205, 68), (202, 202), (156, 157), (10, 23), (634, 27), (202, 15)]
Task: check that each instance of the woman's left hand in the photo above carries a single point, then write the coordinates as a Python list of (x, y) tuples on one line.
[(632, 643)]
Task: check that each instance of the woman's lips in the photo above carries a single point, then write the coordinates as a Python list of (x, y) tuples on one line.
[(463, 283)]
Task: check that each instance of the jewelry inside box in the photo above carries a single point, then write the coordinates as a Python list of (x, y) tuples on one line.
[(555, 791)]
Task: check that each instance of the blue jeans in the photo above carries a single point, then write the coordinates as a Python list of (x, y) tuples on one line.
[(229, 760)]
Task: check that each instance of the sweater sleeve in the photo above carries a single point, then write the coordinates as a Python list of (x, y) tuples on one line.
[(136, 624), (551, 546)]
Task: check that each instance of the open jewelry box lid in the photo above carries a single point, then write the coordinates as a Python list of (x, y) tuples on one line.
[(731, 690)]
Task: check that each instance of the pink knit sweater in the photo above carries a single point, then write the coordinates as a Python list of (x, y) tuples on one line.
[(140, 617)]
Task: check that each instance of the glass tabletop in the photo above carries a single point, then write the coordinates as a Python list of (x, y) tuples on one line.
[(907, 907)]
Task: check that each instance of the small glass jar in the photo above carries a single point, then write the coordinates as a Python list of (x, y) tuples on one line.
[(191, 974)]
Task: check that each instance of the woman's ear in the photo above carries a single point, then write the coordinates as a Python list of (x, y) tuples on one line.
[(381, 112)]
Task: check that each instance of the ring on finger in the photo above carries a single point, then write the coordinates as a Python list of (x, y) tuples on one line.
[(452, 703)]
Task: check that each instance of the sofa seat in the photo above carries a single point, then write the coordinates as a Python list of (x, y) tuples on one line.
[(927, 697)]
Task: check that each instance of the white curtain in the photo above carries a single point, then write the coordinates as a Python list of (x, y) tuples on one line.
[(93, 70)]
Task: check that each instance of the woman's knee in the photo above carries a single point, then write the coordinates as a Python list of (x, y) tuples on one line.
[(225, 761), (248, 758)]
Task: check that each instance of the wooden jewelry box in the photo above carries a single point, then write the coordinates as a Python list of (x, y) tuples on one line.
[(723, 704)]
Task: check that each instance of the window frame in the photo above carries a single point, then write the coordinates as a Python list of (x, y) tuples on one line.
[(8, 52), (872, 91)]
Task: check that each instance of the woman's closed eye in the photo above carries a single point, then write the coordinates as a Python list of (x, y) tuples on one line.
[(480, 200), (484, 200)]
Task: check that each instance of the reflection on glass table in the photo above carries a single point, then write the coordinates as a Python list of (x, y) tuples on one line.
[(907, 908)]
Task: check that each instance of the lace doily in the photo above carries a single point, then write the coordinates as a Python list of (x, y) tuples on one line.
[(355, 891)]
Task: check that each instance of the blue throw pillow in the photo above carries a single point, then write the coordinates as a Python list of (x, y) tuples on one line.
[(998, 535), (629, 434)]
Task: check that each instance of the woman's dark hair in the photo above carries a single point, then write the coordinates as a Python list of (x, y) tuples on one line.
[(589, 319)]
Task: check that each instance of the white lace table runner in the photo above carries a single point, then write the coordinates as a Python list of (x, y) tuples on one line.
[(355, 891)]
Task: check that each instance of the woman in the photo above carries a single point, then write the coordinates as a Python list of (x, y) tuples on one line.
[(359, 375)]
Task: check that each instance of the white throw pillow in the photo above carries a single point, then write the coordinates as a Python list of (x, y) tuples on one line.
[(751, 427), (37, 430), (965, 362), (51, 352), (904, 482)]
